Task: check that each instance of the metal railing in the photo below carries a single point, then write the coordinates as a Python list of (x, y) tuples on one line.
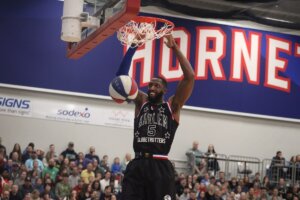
[(243, 166), (277, 169)]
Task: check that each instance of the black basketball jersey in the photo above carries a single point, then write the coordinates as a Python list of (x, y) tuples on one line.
[(154, 129)]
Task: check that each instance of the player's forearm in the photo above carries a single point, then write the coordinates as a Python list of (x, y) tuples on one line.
[(125, 64), (186, 67)]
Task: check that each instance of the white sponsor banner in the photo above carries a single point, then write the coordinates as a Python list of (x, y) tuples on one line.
[(65, 111)]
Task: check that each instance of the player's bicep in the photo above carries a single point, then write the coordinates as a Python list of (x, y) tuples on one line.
[(183, 92)]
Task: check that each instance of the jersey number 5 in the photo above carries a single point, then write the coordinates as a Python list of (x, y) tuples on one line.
[(151, 130)]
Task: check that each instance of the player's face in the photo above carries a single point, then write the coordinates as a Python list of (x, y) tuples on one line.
[(156, 90)]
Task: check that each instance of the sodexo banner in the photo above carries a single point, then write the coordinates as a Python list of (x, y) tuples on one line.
[(56, 110), (238, 70)]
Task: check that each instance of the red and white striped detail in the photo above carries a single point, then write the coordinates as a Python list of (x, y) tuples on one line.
[(160, 157)]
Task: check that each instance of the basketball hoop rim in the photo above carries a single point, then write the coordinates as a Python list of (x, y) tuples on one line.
[(152, 19)]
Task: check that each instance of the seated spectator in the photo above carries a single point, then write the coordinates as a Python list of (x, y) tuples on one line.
[(51, 170), (97, 169), (246, 184), (74, 195), (193, 195), (218, 194), (15, 158), (15, 193), (35, 195), (186, 194), (70, 153), (8, 165), (86, 192), (63, 189), (17, 150), (49, 191), (79, 187), (82, 160), (26, 153), (206, 179), (282, 188), (3, 149), (92, 154), (116, 167), (51, 153), (275, 194), (87, 173), (74, 177), (233, 184), (195, 162), (210, 194), (3, 162), (21, 179), (202, 195), (38, 185), (266, 183), (180, 185), (221, 180), (104, 163), (40, 154), (5, 195), (238, 192), (107, 193), (257, 179), (96, 187), (264, 193), (26, 187), (29, 162), (105, 181)]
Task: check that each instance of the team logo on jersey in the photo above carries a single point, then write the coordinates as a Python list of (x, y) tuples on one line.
[(167, 197)]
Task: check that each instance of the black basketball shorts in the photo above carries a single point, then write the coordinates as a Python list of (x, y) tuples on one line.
[(149, 179)]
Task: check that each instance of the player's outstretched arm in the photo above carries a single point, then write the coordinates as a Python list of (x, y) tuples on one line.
[(186, 85), (124, 69)]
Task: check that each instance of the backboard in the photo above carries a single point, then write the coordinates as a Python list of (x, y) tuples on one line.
[(86, 23)]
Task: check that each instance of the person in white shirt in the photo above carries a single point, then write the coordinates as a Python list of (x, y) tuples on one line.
[(105, 181)]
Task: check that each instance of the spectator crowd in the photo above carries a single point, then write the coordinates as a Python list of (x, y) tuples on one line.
[(36, 174)]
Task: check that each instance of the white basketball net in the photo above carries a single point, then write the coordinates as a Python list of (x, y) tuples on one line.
[(137, 33)]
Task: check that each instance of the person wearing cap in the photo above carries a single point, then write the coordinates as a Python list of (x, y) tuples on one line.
[(70, 152), (33, 158)]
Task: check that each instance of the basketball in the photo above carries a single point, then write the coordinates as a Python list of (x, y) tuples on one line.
[(123, 89)]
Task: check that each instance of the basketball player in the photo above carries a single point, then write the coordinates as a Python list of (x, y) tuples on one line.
[(150, 176)]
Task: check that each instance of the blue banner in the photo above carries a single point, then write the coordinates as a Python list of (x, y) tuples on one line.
[(236, 69)]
